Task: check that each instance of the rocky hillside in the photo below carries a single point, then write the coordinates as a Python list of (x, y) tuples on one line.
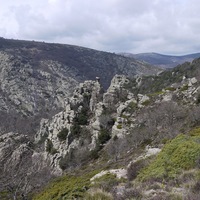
[(139, 139), (36, 78), (163, 61)]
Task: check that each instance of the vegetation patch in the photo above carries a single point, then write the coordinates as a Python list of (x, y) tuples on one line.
[(82, 117), (178, 154), (66, 187), (184, 88), (146, 103), (107, 182), (132, 106), (119, 126), (104, 136), (75, 131), (50, 148), (170, 88), (155, 94), (98, 195), (62, 135)]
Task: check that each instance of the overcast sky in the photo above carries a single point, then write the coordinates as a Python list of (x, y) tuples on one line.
[(163, 26)]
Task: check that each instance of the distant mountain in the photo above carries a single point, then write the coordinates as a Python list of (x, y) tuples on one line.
[(164, 61), (36, 78)]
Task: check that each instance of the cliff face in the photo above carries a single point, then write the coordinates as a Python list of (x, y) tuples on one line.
[(36, 78)]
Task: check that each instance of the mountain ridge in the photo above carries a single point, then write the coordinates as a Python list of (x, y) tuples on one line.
[(161, 60), (37, 78)]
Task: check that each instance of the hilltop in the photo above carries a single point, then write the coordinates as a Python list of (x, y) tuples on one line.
[(163, 61)]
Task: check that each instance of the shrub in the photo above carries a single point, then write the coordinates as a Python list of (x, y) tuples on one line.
[(134, 168), (184, 88), (115, 138), (106, 182), (104, 136), (155, 94), (66, 187), (119, 126), (82, 117), (63, 163), (170, 88), (198, 99), (179, 154), (62, 135), (132, 106), (74, 132), (94, 153), (146, 103), (49, 147)]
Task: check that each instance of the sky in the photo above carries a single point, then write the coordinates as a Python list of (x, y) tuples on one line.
[(134, 26)]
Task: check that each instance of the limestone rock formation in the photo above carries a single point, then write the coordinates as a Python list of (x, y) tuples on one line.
[(36, 78)]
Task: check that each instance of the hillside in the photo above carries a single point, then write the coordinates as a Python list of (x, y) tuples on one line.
[(137, 140), (36, 78), (163, 61)]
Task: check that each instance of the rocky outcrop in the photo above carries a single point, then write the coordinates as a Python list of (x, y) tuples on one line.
[(81, 112), (116, 121), (130, 111), (36, 78), (116, 91)]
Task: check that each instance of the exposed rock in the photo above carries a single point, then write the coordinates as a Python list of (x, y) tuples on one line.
[(37, 78), (87, 95), (116, 91), (120, 173)]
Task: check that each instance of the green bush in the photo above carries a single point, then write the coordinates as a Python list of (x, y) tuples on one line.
[(82, 117), (104, 136), (170, 88), (119, 126), (63, 163), (155, 94), (62, 135), (66, 187), (184, 88), (75, 131), (134, 169), (132, 106), (178, 154), (146, 103), (49, 147), (107, 182), (94, 154)]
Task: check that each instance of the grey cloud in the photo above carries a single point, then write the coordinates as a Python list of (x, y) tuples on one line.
[(163, 26)]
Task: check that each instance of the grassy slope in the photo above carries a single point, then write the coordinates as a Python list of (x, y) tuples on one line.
[(66, 187), (177, 155)]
